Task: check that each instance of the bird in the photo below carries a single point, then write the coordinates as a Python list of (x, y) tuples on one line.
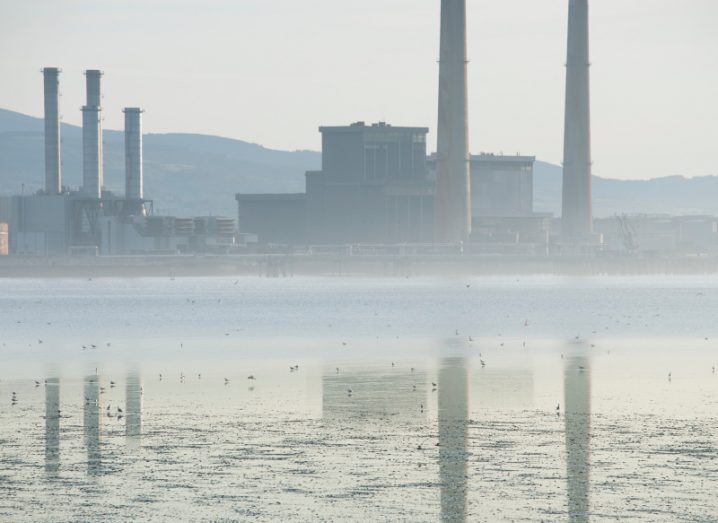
[(337, 370), (37, 383), (119, 409), (226, 381), (483, 363), (160, 377), (393, 364), (433, 384), (413, 388), (558, 407), (251, 377), (669, 376)]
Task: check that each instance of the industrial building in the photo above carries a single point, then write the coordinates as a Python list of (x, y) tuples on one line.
[(502, 201), (91, 220), (374, 187)]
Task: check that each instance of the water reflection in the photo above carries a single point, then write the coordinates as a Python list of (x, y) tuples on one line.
[(385, 391), (52, 426), (453, 405), (92, 425), (133, 409), (577, 419)]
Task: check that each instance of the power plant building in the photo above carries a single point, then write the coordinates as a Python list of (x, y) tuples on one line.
[(374, 187)]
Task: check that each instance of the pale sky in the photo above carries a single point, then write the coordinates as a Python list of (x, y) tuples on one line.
[(272, 71)]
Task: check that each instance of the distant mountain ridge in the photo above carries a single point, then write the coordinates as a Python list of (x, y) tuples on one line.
[(192, 174)]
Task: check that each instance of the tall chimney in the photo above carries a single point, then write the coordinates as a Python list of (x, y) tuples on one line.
[(134, 178), (92, 176), (577, 221), (453, 195), (53, 176)]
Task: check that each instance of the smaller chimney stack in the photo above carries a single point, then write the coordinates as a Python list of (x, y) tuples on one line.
[(53, 176), (134, 177), (92, 174)]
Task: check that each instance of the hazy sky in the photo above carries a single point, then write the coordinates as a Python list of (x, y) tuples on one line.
[(272, 71)]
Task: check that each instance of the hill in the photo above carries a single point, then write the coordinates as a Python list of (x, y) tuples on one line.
[(191, 174)]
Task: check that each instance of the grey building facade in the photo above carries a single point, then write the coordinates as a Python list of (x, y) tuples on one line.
[(374, 187)]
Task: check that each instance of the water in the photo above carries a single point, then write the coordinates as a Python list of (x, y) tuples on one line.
[(571, 417)]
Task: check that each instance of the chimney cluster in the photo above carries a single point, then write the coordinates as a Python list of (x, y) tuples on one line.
[(92, 162)]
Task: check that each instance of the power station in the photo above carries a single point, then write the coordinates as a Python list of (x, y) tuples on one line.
[(378, 185), (91, 220)]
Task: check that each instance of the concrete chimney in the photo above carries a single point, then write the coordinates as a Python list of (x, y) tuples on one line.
[(453, 194), (577, 221), (134, 178), (53, 174), (92, 175)]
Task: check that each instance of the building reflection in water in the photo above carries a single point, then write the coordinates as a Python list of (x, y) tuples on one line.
[(377, 392), (133, 409), (52, 426), (577, 419), (92, 425), (453, 416)]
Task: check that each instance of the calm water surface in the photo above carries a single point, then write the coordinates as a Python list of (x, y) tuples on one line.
[(516, 399)]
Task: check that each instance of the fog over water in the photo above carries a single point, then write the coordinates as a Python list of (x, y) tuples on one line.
[(468, 399)]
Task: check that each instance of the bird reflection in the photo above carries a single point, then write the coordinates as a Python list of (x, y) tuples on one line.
[(577, 419), (133, 409), (52, 426), (92, 425), (453, 403)]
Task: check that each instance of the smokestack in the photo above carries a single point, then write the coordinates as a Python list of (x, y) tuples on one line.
[(577, 221), (453, 195), (53, 176), (134, 179), (92, 176)]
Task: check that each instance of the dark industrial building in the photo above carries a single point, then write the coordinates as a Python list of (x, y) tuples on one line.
[(378, 186), (374, 187)]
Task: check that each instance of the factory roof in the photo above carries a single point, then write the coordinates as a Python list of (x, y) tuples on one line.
[(379, 126)]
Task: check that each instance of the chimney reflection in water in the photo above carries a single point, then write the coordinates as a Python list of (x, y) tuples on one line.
[(133, 410), (92, 425), (52, 426), (453, 391), (577, 419)]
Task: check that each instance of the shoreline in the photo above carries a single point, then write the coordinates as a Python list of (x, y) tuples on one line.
[(287, 265)]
